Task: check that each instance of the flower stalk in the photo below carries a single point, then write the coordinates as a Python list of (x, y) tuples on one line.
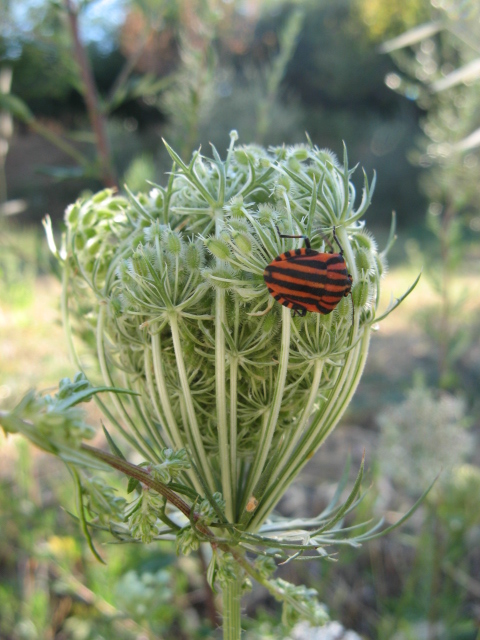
[(232, 393)]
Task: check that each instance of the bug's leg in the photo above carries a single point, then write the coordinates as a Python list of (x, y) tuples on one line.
[(336, 240), (301, 312), (282, 235)]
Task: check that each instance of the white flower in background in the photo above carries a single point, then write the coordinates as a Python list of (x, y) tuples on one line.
[(423, 436)]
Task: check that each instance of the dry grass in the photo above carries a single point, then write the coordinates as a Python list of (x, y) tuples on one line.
[(33, 350)]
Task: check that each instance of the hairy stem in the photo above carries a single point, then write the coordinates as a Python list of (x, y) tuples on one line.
[(232, 597)]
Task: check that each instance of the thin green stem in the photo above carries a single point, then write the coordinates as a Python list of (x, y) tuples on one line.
[(144, 447), (232, 619), (191, 422), (233, 427), (170, 421), (152, 392), (221, 401), (320, 428), (297, 434), (265, 440), (347, 249), (221, 387), (348, 389), (145, 413), (74, 356)]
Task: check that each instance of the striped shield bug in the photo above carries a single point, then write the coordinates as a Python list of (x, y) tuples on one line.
[(307, 280)]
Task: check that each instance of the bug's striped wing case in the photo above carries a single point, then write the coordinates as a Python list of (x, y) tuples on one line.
[(306, 280)]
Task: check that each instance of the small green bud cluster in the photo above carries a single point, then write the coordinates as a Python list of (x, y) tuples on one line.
[(187, 541), (206, 512), (265, 565), (101, 500), (228, 571), (300, 602), (142, 515), (68, 388), (173, 463)]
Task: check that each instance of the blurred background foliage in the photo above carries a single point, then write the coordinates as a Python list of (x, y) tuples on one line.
[(398, 81), (190, 71)]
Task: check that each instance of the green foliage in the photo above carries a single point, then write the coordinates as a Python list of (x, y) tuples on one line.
[(436, 64), (172, 464), (389, 20), (265, 74), (305, 599), (141, 168)]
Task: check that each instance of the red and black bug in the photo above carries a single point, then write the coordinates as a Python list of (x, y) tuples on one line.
[(307, 280)]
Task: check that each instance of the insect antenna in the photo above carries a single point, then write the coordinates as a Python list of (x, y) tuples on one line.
[(284, 235)]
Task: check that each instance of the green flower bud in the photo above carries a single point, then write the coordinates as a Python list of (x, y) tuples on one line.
[(194, 256), (294, 164), (242, 157), (361, 293), (344, 308), (284, 181), (364, 260), (235, 207), (265, 214), (243, 242), (92, 245), (270, 324), (218, 248), (101, 196), (327, 157), (72, 213), (365, 240), (300, 153), (173, 243), (156, 196), (381, 264), (88, 218)]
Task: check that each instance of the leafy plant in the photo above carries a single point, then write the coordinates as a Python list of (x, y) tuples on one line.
[(223, 394)]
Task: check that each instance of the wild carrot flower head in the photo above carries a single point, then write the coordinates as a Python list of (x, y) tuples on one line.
[(167, 290)]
